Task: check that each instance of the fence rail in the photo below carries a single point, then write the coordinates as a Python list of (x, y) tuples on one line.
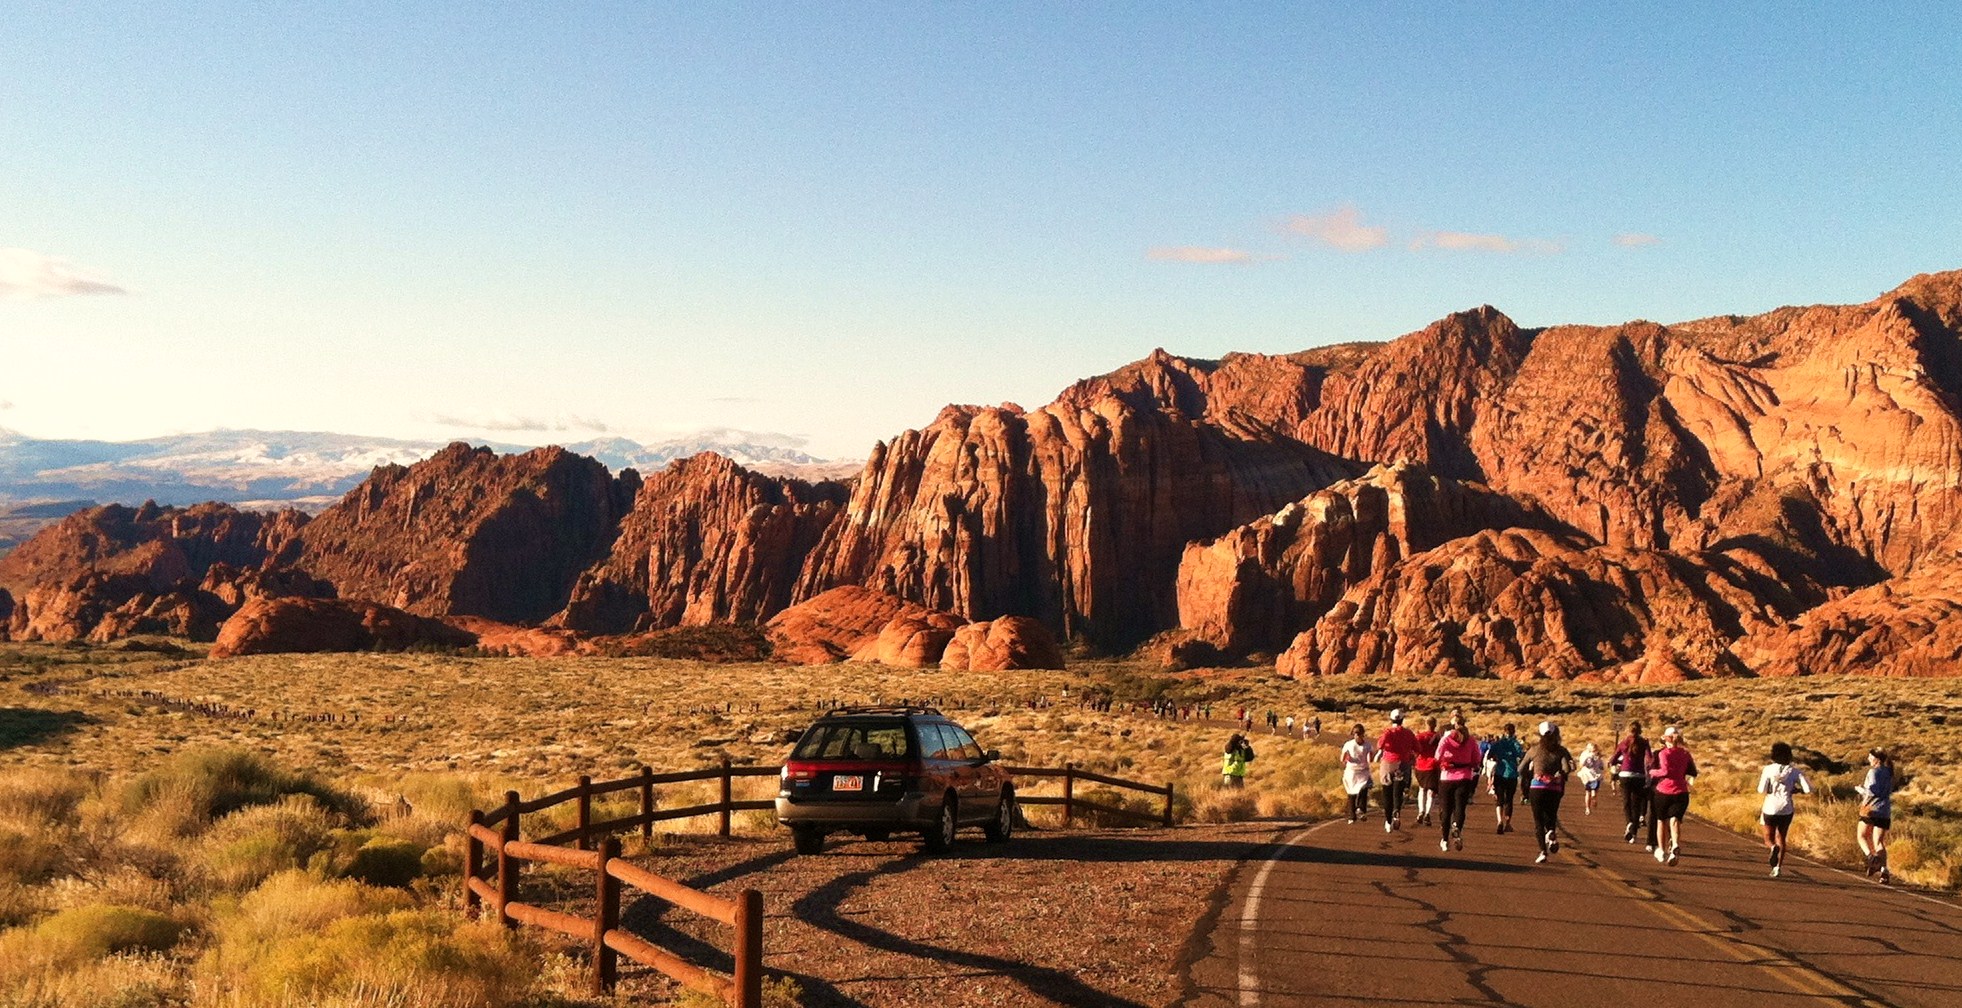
[(495, 843)]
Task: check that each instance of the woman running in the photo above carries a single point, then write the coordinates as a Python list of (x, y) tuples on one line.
[(1356, 756), (1545, 768), (1779, 781), (1631, 767), (1396, 750), (1426, 771), (1457, 767), (1876, 812), (1673, 767), (1503, 758), (1591, 768)]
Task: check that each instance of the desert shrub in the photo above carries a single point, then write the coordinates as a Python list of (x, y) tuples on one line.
[(385, 862), (81, 935), (426, 958), (125, 980), (252, 844), (198, 785), (32, 857), (289, 904), (1147, 806), (443, 797), (1223, 805), (42, 796), (120, 884)]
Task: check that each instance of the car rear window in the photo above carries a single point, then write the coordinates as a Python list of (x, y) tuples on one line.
[(855, 740)]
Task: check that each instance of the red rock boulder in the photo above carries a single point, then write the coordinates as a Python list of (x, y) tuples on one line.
[(838, 624), (301, 625), (912, 640), (996, 645)]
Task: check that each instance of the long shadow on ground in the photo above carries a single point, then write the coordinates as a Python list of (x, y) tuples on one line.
[(21, 726)]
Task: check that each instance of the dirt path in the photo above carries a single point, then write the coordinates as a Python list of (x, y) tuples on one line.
[(1335, 914)]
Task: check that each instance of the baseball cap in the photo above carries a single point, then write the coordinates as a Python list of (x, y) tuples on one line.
[(1397, 715), (1547, 727), (1671, 730)]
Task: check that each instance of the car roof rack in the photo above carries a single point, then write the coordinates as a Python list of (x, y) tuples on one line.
[(880, 709)]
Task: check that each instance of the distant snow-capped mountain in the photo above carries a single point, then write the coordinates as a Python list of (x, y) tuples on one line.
[(310, 470)]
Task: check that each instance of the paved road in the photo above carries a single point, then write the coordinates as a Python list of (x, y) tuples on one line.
[(1346, 915)]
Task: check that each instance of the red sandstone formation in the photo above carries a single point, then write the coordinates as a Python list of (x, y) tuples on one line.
[(113, 571), (1524, 604), (911, 640), (469, 532), (838, 624), (1257, 586), (998, 645), (1075, 513), (707, 541), (296, 625), (1639, 501)]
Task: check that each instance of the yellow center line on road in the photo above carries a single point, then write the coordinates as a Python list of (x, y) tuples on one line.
[(1800, 977)]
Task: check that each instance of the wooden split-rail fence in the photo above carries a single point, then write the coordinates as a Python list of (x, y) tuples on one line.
[(496, 852)]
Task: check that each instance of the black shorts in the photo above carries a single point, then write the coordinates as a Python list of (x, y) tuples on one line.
[(1777, 822), (1878, 821), (1503, 790), (1427, 779), (1671, 806)]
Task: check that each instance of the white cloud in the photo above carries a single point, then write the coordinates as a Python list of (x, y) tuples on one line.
[(1635, 239), (1460, 241), (1341, 228), (1197, 254), (26, 275)]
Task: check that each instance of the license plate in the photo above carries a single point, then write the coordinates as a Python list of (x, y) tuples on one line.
[(848, 783)]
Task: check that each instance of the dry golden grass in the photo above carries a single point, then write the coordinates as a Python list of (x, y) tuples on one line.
[(369, 764)]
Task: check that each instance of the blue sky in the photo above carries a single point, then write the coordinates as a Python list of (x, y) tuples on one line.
[(543, 222)]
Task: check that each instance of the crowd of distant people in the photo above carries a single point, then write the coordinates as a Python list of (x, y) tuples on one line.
[(1438, 769)]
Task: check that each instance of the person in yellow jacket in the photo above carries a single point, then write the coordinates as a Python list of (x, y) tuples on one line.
[(1233, 765)]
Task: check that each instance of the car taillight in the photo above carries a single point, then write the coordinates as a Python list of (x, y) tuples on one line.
[(791, 772)]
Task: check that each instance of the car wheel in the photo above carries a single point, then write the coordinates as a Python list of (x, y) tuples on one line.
[(940, 836), (877, 835), (809, 840), (1003, 824)]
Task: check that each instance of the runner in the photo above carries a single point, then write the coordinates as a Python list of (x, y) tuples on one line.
[(1777, 783), (1876, 812), (1545, 768), (1631, 767), (1670, 772), (1591, 767), (1457, 766), (1356, 756), (1426, 771), (1396, 750), (1502, 761)]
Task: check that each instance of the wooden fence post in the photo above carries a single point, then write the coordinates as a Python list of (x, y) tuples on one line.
[(1168, 802), (646, 802), (606, 962), (748, 975), (507, 870), (727, 795), (585, 810), (473, 864), (1069, 794)]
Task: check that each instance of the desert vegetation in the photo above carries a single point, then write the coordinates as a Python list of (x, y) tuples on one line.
[(285, 829)]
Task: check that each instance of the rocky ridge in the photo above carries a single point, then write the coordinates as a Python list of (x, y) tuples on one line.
[(1640, 501)]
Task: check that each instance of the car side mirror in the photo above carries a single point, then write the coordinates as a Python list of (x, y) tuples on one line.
[(793, 734), (991, 755)]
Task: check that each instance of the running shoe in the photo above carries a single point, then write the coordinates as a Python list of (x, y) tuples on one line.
[(1552, 843), (1650, 848), (1661, 856), (1541, 859), (1774, 871), (1886, 877), (1444, 845), (1630, 834), (1458, 839), (1672, 859), (1502, 828), (1396, 823)]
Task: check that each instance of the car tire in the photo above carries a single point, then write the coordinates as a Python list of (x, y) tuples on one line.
[(1002, 826), (878, 835), (808, 840), (940, 836)]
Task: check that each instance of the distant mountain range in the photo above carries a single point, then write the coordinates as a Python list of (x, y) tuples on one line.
[(309, 470)]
